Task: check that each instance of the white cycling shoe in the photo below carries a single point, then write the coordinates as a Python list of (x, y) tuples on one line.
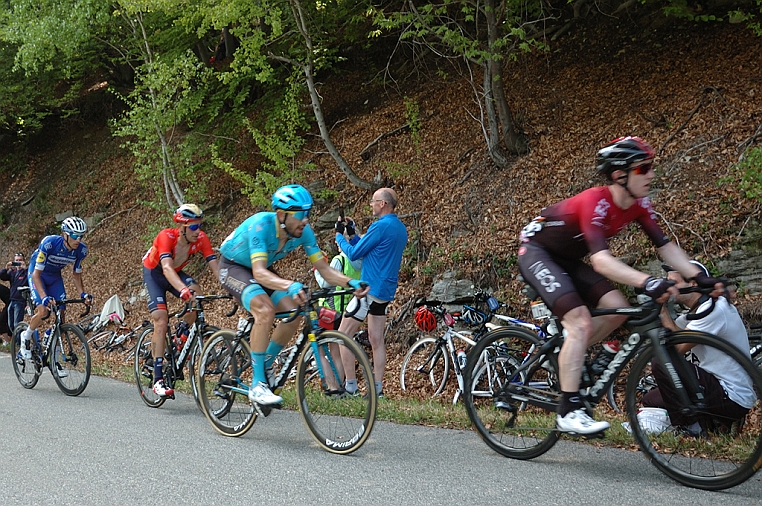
[(578, 422), (262, 395)]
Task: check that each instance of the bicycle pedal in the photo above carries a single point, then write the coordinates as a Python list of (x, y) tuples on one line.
[(263, 410)]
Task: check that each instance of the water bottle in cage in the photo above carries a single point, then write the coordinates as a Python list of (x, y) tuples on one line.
[(603, 359)]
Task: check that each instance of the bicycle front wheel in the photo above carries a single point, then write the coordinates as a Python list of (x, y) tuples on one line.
[(70, 360), (194, 360), (726, 452), (425, 368), (339, 422), (27, 370), (143, 362), (223, 377), (501, 402)]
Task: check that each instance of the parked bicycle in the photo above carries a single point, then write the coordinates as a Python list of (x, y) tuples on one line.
[(62, 348), (118, 340), (338, 421), (514, 412), (176, 355)]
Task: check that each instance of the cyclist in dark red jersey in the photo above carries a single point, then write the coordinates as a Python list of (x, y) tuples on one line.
[(551, 261), (162, 273)]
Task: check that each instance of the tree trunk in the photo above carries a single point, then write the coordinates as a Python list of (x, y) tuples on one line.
[(231, 43), (496, 152), (514, 142), (317, 109)]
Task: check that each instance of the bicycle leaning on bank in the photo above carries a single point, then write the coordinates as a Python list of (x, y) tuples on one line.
[(338, 421), (62, 348), (514, 412), (175, 359)]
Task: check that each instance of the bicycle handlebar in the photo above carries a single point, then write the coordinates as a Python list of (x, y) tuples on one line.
[(313, 297), (199, 300)]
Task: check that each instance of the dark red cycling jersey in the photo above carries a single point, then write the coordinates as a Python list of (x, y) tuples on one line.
[(582, 224), (164, 247)]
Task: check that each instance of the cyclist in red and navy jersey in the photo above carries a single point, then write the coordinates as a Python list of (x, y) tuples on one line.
[(162, 273), (551, 261)]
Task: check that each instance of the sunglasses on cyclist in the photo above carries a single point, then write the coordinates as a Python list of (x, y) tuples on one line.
[(300, 215), (76, 237), (643, 169), (195, 226)]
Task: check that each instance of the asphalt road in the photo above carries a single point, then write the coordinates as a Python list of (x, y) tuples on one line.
[(107, 447)]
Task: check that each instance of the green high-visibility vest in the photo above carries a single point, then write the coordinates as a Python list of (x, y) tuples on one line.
[(340, 302)]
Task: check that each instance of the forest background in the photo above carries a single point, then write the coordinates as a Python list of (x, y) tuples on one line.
[(479, 113)]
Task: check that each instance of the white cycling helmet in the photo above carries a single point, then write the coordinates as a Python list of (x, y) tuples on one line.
[(74, 225)]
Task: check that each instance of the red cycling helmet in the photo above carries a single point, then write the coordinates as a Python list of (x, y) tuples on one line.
[(425, 319)]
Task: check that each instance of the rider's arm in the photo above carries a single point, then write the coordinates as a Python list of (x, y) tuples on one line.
[(76, 277), (605, 264), (38, 284), (268, 278), (673, 255), (168, 269), (215, 266), (332, 276)]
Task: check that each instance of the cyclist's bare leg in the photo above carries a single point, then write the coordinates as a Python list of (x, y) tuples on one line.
[(578, 325), (160, 319), (376, 326), (40, 312), (263, 311), (605, 325), (349, 327)]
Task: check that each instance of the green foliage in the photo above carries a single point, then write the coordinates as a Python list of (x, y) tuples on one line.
[(413, 118), (751, 173)]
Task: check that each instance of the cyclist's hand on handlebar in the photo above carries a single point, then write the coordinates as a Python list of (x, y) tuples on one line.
[(87, 298), (659, 289), (186, 294), (704, 281), (296, 292), (47, 301), (360, 287)]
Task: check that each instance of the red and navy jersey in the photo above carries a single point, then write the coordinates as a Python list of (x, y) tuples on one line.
[(583, 223), (164, 247)]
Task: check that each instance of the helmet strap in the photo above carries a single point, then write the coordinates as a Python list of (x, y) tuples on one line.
[(183, 231), (624, 182), (283, 224)]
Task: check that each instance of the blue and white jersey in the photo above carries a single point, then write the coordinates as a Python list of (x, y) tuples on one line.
[(51, 256)]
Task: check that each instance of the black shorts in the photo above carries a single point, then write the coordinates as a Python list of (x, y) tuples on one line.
[(563, 284), (158, 286)]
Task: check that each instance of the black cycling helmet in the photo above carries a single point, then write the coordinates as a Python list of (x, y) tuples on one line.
[(620, 153)]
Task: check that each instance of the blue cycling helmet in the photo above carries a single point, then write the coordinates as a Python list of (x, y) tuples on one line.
[(292, 197)]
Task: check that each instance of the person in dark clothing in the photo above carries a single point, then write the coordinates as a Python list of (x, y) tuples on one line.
[(15, 272)]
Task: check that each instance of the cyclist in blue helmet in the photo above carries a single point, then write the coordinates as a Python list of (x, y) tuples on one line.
[(248, 254)]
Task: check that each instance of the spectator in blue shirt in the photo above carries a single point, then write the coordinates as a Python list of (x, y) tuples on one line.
[(381, 252)]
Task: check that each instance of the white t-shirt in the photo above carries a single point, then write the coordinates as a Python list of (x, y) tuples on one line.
[(724, 322)]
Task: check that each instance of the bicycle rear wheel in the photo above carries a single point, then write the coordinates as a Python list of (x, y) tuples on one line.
[(499, 401), (27, 370), (143, 362), (726, 453), (70, 360), (223, 377), (339, 422), (194, 360), (425, 368)]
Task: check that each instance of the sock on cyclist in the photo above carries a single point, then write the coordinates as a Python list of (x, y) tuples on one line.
[(271, 352), (258, 367), (379, 387), (351, 386), (158, 365), (570, 401)]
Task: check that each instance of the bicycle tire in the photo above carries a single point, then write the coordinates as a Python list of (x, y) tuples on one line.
[(425, 368), (224, 367), (143, 367), (722, 459), (209, 330), (339, 423), (27, 371), (69, 360), (101, 340), (502, 417)]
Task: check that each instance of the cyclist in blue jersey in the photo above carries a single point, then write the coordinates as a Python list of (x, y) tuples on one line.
[(245, 271), (45, 282)]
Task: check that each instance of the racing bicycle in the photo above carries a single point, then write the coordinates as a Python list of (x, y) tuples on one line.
[(338, 421), (63, 349), (514, 411)]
